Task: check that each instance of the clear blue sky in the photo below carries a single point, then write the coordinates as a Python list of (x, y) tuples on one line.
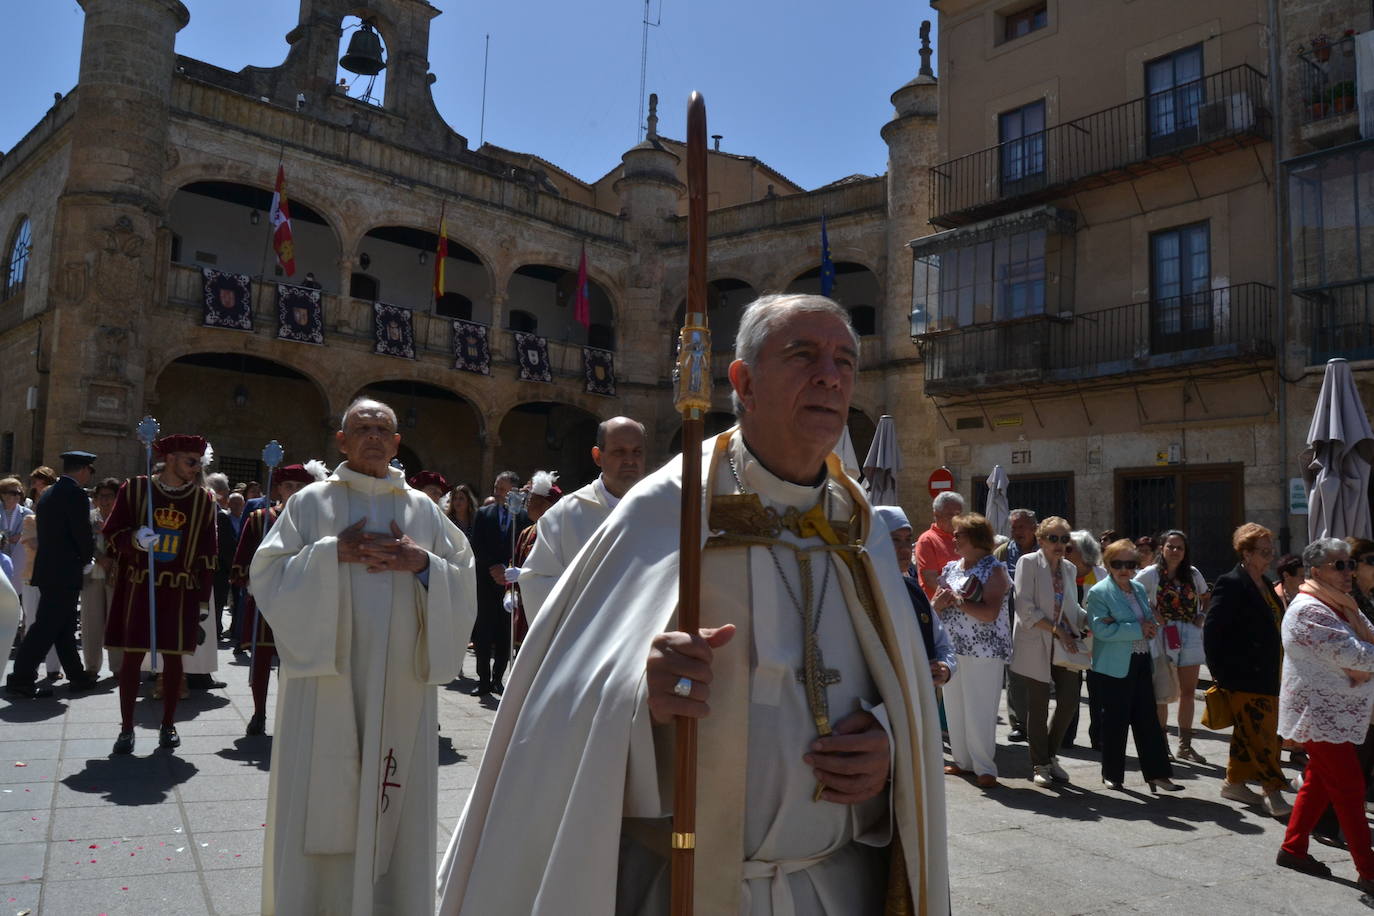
[(801, 84)]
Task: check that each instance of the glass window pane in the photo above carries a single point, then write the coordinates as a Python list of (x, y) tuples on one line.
[(1033, 117), (1188, 65), (1009, 126)]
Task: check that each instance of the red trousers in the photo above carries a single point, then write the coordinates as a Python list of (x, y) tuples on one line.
[(1333, 778)]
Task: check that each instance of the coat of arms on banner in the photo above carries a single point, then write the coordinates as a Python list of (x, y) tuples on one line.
[(471, 349), (599, 366), (228, 300), (299, 314), (394, 330), (532, 352)]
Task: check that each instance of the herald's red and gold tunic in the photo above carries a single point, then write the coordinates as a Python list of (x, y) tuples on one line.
[(184, 559), (254, 530)]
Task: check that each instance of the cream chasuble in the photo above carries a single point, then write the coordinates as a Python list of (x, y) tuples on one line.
[(563, 530), (351, 825), (566, 816)]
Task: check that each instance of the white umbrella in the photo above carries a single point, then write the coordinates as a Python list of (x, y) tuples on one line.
[(998, 512), (848, 457), (882, 464), (1341, 444)]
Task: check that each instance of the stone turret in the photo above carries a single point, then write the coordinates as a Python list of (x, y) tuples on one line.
[(649, 192), (108, 267)]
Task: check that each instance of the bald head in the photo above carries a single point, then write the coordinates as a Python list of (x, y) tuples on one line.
[(619, 452), (367, 437)]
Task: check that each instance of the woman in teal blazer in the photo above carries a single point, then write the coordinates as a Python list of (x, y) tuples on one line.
[(1122, 627)]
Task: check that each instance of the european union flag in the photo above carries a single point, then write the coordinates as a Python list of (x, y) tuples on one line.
[(827, 265)]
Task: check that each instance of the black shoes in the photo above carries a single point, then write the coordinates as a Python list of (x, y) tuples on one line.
[(167, 737), (1017, 735), (1305, 864), (257, 725), (498, 688), (82, 684), (27, 691), (203, 682), (124, 744), (481, 690)]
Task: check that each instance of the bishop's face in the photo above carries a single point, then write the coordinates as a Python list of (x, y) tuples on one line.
[(369, 441), (796, 395)]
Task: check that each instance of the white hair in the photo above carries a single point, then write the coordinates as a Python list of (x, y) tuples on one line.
[(218, 481), (1088, 546), (763, 316), (1322, 550), (944, 499), (1028, 514)]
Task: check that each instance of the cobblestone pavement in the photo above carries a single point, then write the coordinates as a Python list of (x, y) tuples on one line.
[(84, 834)]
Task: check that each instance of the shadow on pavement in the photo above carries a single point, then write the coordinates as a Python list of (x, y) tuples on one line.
[(31, 711), (255, 751), (448, 753), (1075, 802), (132, 780)]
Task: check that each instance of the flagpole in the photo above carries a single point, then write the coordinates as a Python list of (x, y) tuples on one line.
[(267, 242), (440, 254), (692, 377), (147, 434)]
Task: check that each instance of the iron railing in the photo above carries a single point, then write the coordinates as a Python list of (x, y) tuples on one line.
[(1340, 322), (1231, 322), (1115, 144), (1328, 81)]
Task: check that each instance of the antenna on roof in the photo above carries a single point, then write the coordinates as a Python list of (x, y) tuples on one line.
[(644, 62)]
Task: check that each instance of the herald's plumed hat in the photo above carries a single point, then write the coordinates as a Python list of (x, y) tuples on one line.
[(165, 446), (295, 473), (429, 479), (545, 483)]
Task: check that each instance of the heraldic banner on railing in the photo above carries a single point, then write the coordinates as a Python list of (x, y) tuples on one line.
[(300, 317), (599, 367), (228, 300), (471, 347), (394, 329), (532, 353)]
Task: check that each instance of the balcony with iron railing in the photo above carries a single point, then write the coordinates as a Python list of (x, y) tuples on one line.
[(1206, 117), (1339, 321), (1328, 81), (1232, 323)]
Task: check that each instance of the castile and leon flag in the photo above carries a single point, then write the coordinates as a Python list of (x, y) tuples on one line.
[(280, 215)]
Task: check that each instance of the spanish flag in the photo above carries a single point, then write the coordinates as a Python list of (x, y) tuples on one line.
[(440, 256), (280, 215)]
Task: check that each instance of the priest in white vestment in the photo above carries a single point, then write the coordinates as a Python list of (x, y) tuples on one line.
[(570, 811), (571, 522), (370, 592)]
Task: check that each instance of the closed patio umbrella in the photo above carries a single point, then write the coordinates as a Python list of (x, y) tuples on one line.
[(848, 457), (1340, 445), (882, 464)]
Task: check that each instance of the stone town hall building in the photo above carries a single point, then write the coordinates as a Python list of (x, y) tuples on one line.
[(157, 166)]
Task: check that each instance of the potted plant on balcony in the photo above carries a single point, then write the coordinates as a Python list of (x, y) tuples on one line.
[(1342, 97), (1321, 48), (1319, 104)]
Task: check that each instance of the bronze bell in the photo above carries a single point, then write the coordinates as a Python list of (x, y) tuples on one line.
[(364, 54)]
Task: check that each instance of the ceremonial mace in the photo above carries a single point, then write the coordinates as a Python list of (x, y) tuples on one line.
[(147, 431), (271, 456), (692, 381), (516, 501)]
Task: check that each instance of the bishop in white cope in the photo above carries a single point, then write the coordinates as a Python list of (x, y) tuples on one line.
[(370, 591), (819, 782), (571, 522)]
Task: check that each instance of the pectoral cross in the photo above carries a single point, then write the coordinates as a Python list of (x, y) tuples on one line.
[(815, 677), (388, 771)]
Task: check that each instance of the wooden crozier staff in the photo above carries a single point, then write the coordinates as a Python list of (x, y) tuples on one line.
[(692, 377)]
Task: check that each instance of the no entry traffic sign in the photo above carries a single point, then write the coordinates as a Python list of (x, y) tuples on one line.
[(941, 479)]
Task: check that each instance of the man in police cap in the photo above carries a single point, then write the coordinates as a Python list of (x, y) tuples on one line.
[(66, 545)]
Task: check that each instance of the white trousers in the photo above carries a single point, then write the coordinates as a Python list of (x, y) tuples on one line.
[(95, 610), (28, 594), (971, 701)]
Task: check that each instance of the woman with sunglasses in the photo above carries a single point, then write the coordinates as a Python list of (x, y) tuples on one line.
[(1177, 594), (1047, 611), (1123, 628), (1325, 702), (1244, 651)]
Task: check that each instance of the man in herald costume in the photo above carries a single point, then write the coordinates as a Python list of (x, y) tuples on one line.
[(184, 547), (369, 590), (285, 482), (619, 452), (803, 626), (432, 484)]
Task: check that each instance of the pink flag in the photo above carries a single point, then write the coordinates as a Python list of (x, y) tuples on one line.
[(582, 305)]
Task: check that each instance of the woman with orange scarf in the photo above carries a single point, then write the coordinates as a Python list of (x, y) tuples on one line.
[(1325, 702)]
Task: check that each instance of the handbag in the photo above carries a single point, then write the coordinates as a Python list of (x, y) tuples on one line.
[(1077, 658), (1216, 709), (1165, 679)]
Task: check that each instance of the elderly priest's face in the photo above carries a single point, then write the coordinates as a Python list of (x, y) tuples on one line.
[(796, 395), (369, 439)]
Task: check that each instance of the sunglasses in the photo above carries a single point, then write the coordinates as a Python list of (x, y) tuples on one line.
[(1344, 565), (1125, 564), (1057, 538)]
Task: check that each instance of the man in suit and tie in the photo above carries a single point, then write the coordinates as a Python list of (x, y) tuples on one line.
[(66, 545), (493, 533)]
